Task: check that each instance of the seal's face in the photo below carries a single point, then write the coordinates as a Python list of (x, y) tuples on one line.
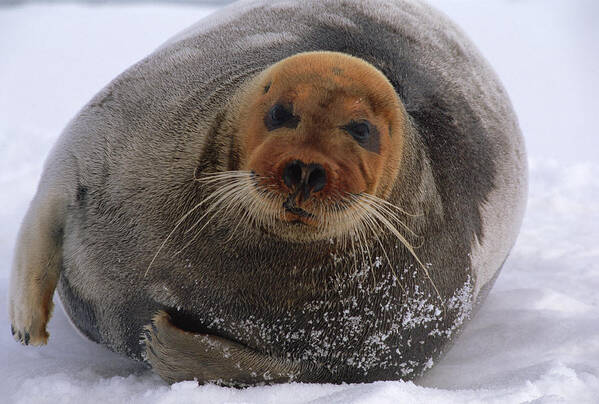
[(319, 132)]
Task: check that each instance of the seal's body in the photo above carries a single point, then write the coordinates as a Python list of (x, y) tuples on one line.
[(318, 191)]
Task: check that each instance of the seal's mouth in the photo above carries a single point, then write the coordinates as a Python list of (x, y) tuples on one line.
[(244, 199), (294, 214), (290, 207)]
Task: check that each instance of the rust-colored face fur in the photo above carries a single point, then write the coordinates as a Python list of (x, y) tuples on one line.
[(327, 111)]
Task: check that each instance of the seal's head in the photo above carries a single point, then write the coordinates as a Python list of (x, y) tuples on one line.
[(321, 136)]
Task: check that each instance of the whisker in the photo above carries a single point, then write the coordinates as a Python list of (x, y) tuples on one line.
[(389, 204), (229, 199), (245, 196), (386, 207), (219, 176), (242, 201), (179, 222), (199, 231), (185, 216), (403, 240), (227, 190), (371, 224)]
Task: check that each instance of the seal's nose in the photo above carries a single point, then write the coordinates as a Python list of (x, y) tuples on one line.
[(306, 177), (315, 178), (292, 173)]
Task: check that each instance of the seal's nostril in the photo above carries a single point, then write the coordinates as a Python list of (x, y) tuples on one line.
[(308, 178), (292, 174), (316, 177)]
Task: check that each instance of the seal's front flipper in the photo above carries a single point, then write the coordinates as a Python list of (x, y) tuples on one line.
[(36, 268), (178, 355)]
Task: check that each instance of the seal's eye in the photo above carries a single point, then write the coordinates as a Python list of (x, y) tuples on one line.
[(365, 134), (359, 130), (280, 116)]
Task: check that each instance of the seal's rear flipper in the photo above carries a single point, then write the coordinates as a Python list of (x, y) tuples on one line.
[(178, 355), (36, 268)]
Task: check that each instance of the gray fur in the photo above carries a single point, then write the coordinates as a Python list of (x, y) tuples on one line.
[(123, 173)]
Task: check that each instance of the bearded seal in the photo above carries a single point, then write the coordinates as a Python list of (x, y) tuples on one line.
[(314, 191)]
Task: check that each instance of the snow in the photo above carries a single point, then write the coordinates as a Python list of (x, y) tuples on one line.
[(536, 338)]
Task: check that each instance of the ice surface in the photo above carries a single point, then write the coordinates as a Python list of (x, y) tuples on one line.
[(536, 339)]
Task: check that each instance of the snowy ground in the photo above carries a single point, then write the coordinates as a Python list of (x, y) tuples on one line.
[(536, 339)]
